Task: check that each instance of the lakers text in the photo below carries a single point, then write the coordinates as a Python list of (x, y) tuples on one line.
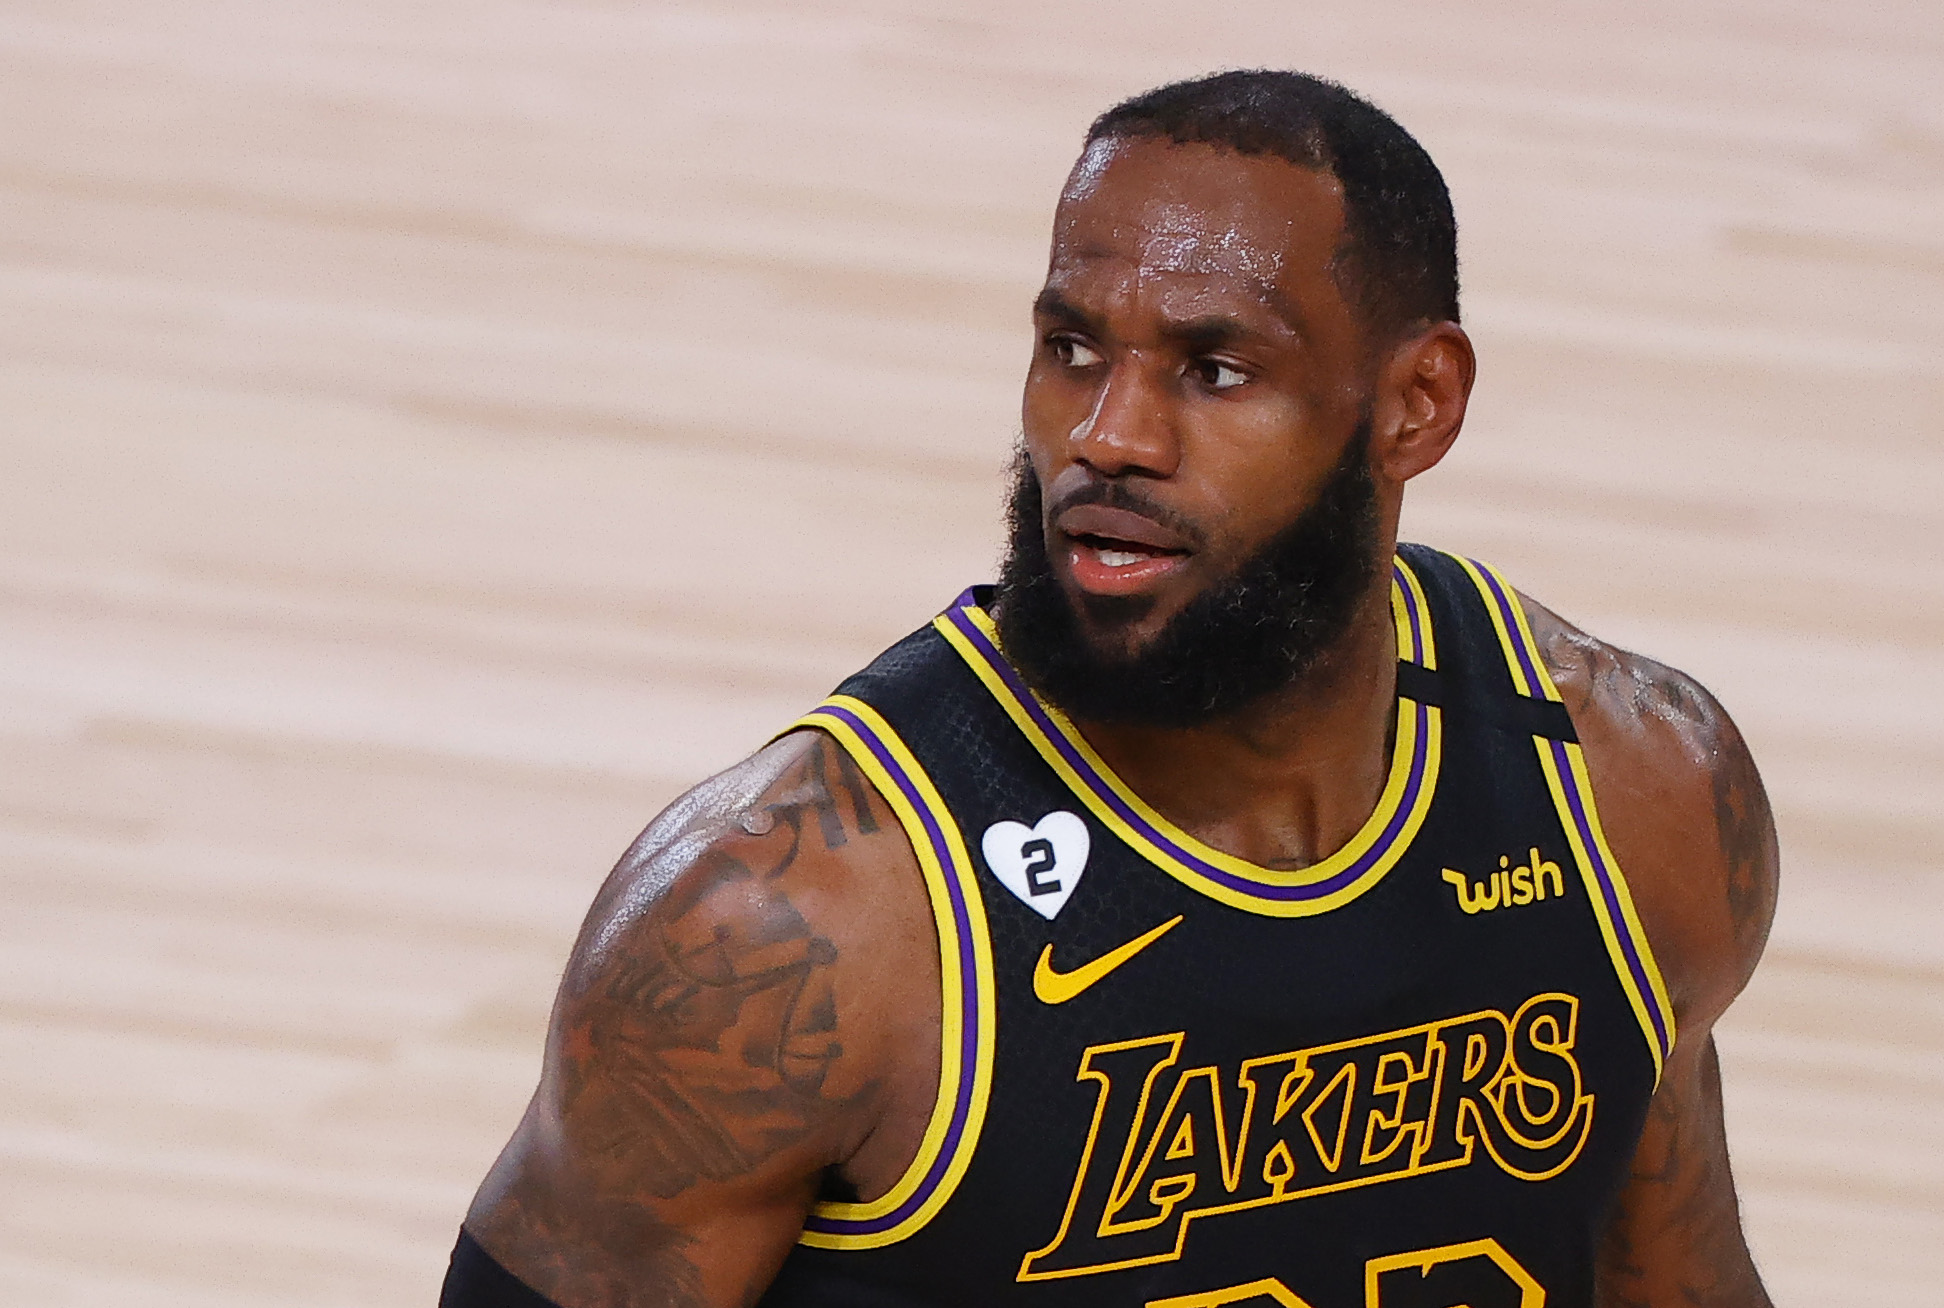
[(1170, 1146)]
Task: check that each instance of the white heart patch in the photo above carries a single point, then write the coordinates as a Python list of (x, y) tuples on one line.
[(1042, 863)]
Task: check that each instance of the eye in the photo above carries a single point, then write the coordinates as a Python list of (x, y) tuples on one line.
[(1072, 352), (1216, 375)]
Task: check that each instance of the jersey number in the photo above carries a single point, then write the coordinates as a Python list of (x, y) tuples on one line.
[(1040, 858), (1476, 1274)]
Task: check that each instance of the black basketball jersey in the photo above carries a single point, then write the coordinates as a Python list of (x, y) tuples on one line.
[(1409, 1076)]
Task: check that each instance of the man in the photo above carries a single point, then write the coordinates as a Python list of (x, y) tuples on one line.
[(1217, 911)]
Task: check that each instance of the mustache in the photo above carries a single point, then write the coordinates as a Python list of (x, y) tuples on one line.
[(1120, 493)]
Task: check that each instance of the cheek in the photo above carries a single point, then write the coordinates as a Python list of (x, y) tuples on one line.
[(1248, 449), (1251, 466), (1051, 405)]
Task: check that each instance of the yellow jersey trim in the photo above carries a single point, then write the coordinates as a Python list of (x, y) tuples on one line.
[(1564, 765), (969, 1026), (1329, 884)]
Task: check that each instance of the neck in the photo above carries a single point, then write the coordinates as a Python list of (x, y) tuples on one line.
[(1290, 779)]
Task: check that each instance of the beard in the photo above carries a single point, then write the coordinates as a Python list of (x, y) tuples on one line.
[(1252, 633)]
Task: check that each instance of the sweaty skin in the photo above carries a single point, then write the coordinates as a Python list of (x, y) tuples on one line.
[(726, 1031), (752, 1008)]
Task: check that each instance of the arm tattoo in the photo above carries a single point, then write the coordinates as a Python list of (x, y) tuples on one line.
[(693, 1049), (1744, 825), (809, 789), (1680, 1196), (1747, 830), (711, 1039)]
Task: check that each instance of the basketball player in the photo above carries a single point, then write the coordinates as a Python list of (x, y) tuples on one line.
[(1216, 911)]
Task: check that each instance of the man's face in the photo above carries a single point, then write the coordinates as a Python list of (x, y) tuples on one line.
[(1193, 345), (1196, 390)]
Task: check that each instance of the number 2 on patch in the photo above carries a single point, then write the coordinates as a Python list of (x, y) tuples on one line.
[(1039, 858)]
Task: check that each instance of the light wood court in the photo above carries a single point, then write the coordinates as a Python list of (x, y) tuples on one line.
[(431, 434)]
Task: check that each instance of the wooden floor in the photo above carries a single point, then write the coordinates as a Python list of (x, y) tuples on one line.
[(432, 433)]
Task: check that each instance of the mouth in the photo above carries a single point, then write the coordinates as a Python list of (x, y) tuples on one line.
[(1118, 552), (1105, 566)]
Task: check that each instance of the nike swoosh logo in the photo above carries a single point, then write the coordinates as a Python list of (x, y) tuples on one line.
[(1058, 987)]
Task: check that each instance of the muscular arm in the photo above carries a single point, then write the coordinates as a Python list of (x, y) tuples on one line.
[(741, 1013), (1689, 820)]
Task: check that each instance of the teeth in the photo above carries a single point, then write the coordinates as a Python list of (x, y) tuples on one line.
[(1120, 558)]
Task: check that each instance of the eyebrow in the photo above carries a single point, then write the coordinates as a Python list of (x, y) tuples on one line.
[(1195, 335), (1210, 332), (1051, 304)]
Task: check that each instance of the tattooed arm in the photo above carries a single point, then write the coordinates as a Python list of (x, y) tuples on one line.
[(745, 1012), (1688, 818)]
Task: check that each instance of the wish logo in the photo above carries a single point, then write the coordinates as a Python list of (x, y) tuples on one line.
[(1509, 887), (1042, 863)]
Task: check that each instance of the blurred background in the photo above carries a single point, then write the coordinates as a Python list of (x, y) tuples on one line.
[(434, 434)]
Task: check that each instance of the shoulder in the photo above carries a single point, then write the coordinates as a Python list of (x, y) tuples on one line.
[(795, 824), (737, 1017), (1683, 807), (728, 1014), (774, 897)]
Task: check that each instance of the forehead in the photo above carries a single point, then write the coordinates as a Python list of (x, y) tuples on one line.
[(1206, 213)]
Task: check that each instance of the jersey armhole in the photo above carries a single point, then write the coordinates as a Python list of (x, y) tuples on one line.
[(1564, 765), (968, 1020)]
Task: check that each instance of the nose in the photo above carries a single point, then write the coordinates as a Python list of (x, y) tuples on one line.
[(1129, 430)]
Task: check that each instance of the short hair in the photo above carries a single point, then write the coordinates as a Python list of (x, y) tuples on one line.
[(1398, 261)]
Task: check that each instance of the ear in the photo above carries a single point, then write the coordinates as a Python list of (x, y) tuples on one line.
[(1422, 389)]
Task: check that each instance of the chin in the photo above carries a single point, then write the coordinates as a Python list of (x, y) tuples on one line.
[(1115, 625)]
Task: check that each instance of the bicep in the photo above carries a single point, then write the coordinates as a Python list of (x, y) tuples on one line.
[(671, 1151), (708, 1057), (1675, 1236), (576, 1237)]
